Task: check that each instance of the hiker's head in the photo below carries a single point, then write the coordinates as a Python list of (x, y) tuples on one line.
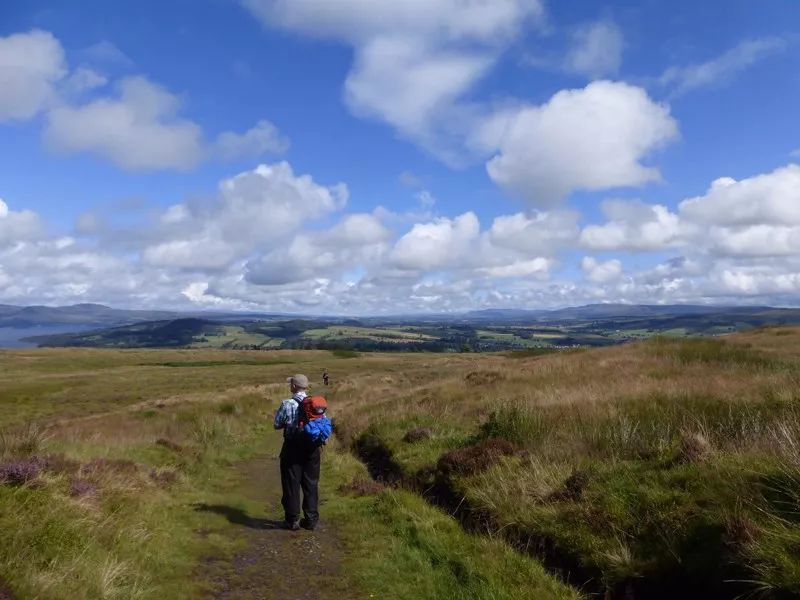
[(298, 383)]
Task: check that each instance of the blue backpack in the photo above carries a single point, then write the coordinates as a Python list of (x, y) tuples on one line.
[(318, 431), (314, 426)]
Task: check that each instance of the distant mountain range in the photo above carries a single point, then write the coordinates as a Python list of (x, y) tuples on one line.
[(491, 329), (606, 311), (78, 314), (98, 315), (481, 331)]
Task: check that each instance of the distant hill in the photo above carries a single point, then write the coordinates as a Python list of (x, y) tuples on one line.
[(486, 330), (78, 314), (99, 315), (610, 311)]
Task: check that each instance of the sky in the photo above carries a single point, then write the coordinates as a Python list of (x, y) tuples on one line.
[(365, 157)]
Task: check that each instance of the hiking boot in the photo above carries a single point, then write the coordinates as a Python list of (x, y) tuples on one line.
[(308, 524), (292, 525)]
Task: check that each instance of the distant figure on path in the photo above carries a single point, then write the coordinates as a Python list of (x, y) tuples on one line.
[(325, 377), (300, 460)]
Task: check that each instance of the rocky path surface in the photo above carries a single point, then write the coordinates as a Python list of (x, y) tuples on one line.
[(275, 564)]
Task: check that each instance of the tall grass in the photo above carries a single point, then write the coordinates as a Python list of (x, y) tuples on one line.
[(653, 464)]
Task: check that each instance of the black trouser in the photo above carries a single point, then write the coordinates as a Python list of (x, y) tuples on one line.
[(300, 469)]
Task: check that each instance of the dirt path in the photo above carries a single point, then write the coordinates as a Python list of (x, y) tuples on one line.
[(275, 563)]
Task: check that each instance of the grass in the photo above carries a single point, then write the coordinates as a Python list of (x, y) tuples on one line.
[(105, 513), (651, 467), (344, 333), (401, 547), (646, 469)]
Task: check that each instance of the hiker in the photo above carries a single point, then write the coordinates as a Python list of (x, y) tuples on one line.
[(305, 430), (325, 377)]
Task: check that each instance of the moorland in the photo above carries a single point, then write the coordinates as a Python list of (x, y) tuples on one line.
[(664, 467)]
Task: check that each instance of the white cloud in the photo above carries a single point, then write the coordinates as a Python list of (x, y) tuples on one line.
[(537, 234), (404, 83), (415, 63), (425, 199), (601, 272), (30, 66), (591, 138), (276, 240), (358, 20), (140, 129), (256, 211), (358, 241), (263, 138), (438, 244), (137, 130), (721, 69), (597, 50), (414, 60), (18, 226), (633, 226), (537, 268), (757, 216), (772, 198), (82, 80), (107, 54)]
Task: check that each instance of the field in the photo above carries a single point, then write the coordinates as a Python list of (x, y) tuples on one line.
[(655, 469), (480, 331)]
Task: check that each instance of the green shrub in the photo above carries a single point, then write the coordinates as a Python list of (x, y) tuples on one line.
[(342, 353)]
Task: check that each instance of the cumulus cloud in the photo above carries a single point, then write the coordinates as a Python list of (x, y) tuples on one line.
[(597, 50), (358, 241), (272, 239), (438, 244), (416, 62), (538, 267), (771, 198), (141, 129), (255, 210), (18, 226), (538, 233), (138, 127), (601, 272), (584, 139), (634, 226), (82, 80), (413, 60), (31, 64), (756, 216), (263, 138), (720, 69)]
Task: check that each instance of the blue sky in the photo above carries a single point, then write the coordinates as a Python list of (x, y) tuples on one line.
[(419, 156)]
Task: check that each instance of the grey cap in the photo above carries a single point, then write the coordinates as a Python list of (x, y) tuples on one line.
[(298, 380)]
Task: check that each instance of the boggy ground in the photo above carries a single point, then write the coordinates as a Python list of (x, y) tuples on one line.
[(649, 470)]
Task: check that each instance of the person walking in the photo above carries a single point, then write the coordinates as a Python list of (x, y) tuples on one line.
[(325, 377), (300, 460)]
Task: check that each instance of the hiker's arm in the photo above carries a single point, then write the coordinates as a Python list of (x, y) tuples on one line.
[(281, 416)]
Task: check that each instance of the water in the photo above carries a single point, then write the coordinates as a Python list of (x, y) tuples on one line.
[(10, 336)]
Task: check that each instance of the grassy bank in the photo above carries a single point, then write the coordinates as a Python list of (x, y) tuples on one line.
[(648, 470)]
